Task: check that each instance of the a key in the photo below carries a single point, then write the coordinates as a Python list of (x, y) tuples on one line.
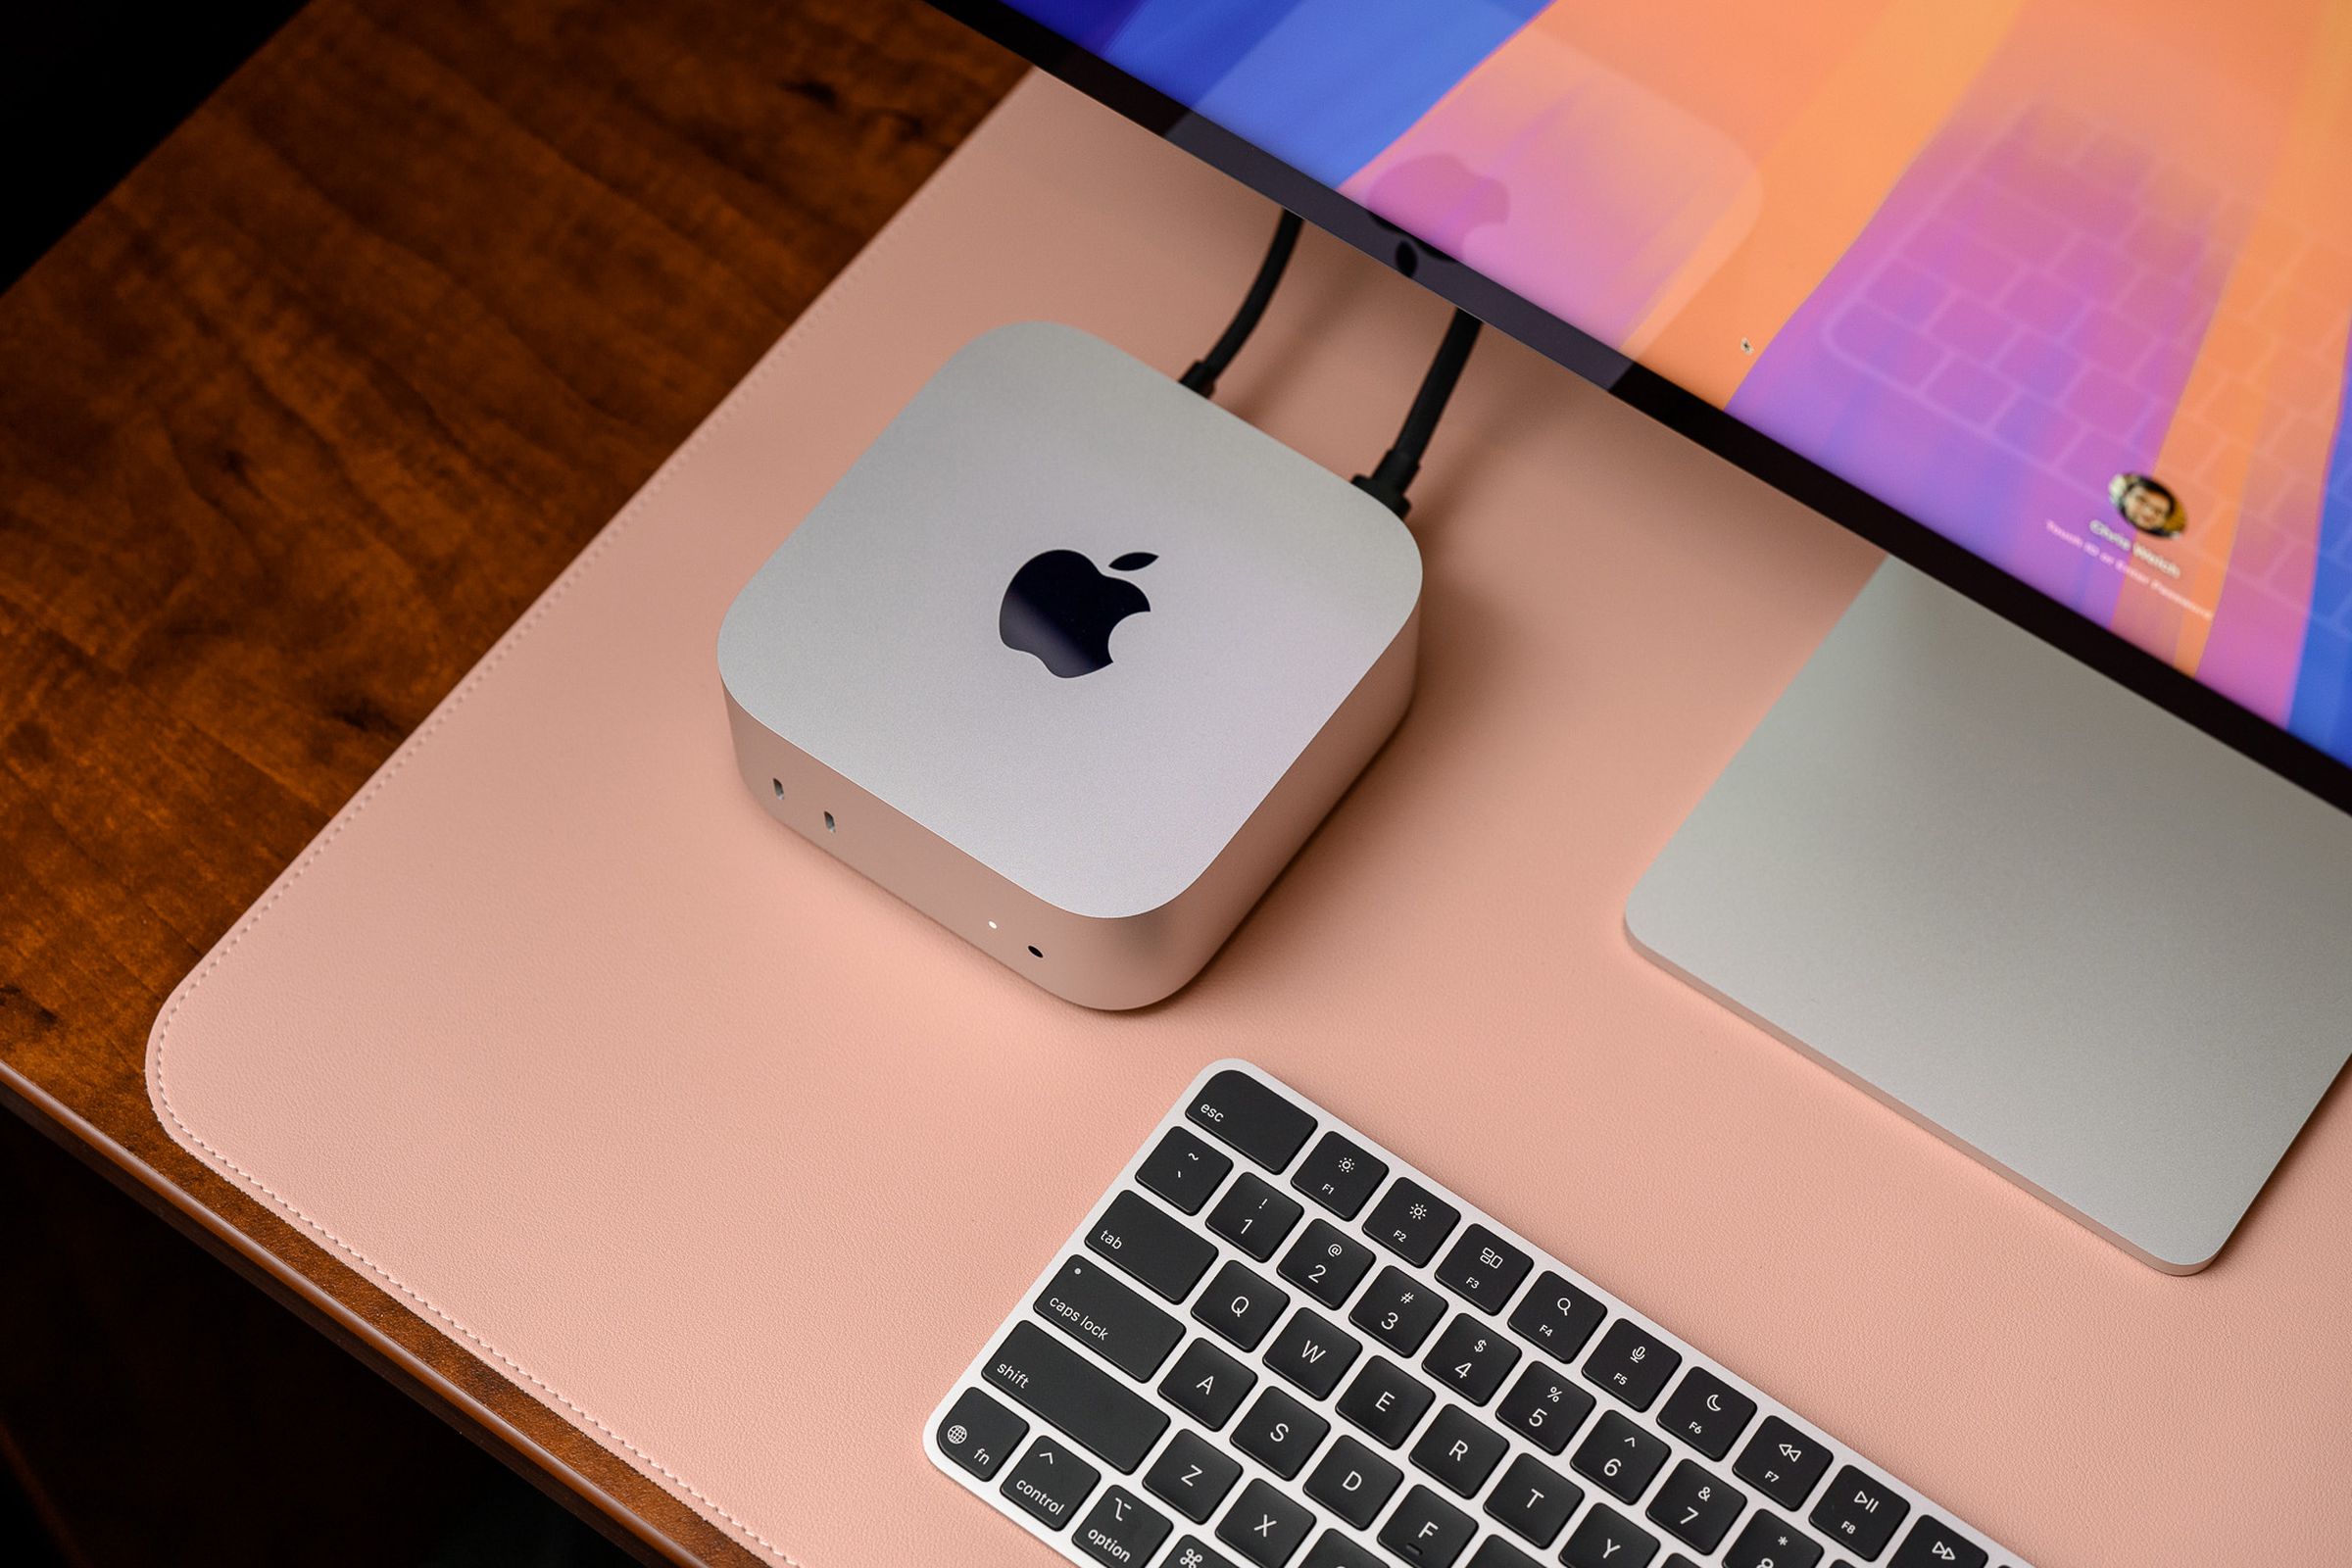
[(1471, 1359), (1557, 1317), (1496, 1552), (1768, 1541), (1049, 1483), (1544, 1408), (1192, 1475), (1619, 1457), (1607, 1539), (1253, 1216), (979, 1433), (1183, 1170), (1353, 1482), (1932, 1543), (1193, 1553), (1533, 1499), (1632, 1364), (1386, 1401), (1695, 1507), (1108, 1318), (1859, 1513), (1240, 1305), (1149, 1245), (1279, 1432), (1707, 1413), (1312, 1353), (1334, 1550), (1264, 1526), (1244, 1113), (1399, 1310), (1411, 1221), (1482, 1268), (1122, 1530), (1066, 1391), (1326, 1262), (1339, 1175), (1783, 1462), (1459, 1451), (1427, 1531), (1206, 1383)]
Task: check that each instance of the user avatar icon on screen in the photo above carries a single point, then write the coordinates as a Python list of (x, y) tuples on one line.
[(2147, 505)]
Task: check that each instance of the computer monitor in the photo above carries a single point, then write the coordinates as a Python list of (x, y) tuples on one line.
[(2051, 299)]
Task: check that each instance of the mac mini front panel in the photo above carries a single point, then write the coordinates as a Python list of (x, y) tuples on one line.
[(1072, 659)]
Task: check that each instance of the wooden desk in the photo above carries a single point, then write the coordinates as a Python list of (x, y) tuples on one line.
[(305, 414)]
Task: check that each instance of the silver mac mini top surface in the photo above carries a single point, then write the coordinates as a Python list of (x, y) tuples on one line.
[(1072, 661)]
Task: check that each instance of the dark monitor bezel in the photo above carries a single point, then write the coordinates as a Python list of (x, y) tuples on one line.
[(1891, 530)]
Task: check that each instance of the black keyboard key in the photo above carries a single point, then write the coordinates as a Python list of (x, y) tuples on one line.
[(1471, 1359), (1353, 1482), (1327, 1263), (1122, 1530), (1484, 1269), (1859, 1514), (1707, 1413), (1240, 1305), (1339, 1175), (1265, 1527), (1632, 1364), (1069, 1391), (1459, 1451), (1620, 1456), (1183, 1170), (1783, 1462), (1086, 1304), (1768, 1541), (979, 1433), (1049, 1483), (1411, 1221), (1427, 1531), (1206, 1383), (1399, 1310), (1151, 1245), (1193, 1553), (1387, 1401), (1312, 1353), (1334, 1550), (1533, 1499), (1245, 1114), (1496, 1552), (1696, 1508), (1607, 1539), (1557, 1317), (1932, 1543), (1279, 1432), (1192, 1475), (1544, 1408), (1253, 1216)]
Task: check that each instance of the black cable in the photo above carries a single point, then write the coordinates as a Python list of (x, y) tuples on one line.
[(1387, 482), (1202, 376)]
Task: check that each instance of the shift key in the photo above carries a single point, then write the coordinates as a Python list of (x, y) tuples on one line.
[(1059, 1386), (1085, 1303)]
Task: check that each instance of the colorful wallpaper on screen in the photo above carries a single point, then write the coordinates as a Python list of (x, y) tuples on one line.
[(2067, 281)]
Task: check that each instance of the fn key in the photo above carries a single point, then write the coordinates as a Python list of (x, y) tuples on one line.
[(979, 1433)]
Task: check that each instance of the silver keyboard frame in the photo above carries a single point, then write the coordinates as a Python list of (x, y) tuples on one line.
[(1066, 1539)]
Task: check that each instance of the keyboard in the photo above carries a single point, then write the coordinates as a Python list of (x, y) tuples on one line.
[(1273, 1342)]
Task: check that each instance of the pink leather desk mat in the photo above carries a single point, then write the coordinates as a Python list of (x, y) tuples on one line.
[(734, 1160)]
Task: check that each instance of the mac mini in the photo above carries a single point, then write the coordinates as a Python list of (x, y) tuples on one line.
[(1072, 661)]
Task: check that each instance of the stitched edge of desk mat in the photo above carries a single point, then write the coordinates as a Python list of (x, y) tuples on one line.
[(160, 1038)]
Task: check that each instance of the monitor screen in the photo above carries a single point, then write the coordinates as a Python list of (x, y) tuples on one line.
[(2067, 282)]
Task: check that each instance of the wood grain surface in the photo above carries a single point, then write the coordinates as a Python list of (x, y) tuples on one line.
[(299, 419)]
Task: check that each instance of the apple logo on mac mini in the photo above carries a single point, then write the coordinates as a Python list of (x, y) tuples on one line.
[(1061, 608)]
